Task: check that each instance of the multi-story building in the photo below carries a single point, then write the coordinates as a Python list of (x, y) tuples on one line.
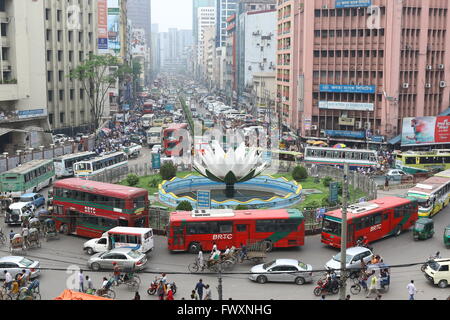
[(173, 46), (195, 5), (156, 51), (206, 18), (139, 12), (70, 36), (230, 59), (257, 46), (346, 67), (224, 9), (209, 48), (23, 99)]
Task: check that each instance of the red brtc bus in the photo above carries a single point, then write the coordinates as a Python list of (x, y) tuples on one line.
[(148, 107), (375, 219), (173, 138), (192, 230), (89, 208)]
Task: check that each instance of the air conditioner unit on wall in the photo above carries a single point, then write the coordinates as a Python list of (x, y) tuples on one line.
[(442, 84), (313, 127), (441, 66), (358, 124), (429, 67), (427, 85), (406, 85)]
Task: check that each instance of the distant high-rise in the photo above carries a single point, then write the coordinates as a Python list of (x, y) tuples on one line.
[(139, 12), (224, 9), (197, 4)]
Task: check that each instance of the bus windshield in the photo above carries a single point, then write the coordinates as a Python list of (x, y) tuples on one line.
[(83, 166), (330, 226)]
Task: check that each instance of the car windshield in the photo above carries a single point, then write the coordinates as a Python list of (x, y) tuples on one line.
[(302, 265), (419, 226), (134, 254), (268, 264), (26, 199), (26, 262), (434, 265), (447, 233), (338, 258), (16, 211)]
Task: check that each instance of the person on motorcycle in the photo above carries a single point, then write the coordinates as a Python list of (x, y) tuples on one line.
[(163, 279)]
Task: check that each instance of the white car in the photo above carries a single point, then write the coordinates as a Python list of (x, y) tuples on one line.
[(354, 256), (15, 264), (156, 148), (398, 174), (282, 270)]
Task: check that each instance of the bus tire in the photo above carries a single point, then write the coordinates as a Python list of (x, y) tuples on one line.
[(194, 247), (398, 231), (268, 245)]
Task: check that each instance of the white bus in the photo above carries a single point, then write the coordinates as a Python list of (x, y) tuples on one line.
[(147, 120), (116, 161), (332, 156), (140, 239), (64, 164), (154, 136)]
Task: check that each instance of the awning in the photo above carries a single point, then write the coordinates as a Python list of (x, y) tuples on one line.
[(74, 295), (4, 131), (395, 140), (445, 113)]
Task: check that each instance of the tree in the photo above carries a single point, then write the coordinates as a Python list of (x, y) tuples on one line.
[(132, 179), (168, 170), (299, 173), (97, 74), (241, 207), (184, 206)]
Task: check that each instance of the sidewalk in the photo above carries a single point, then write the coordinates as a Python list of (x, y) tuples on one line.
[(392, 192)]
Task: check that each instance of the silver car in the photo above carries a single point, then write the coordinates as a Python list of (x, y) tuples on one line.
[(15, 265), (354, 256), (282, 270), (126, 259)]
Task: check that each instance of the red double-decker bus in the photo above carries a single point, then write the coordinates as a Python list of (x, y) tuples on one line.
[(173, 138), (375, 219), (192, 230), (148, 107), (89, 208)]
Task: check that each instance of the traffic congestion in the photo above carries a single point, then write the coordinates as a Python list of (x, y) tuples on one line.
[(63, 229)]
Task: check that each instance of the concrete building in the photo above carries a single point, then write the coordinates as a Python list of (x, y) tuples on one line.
[(173, 49), (264, 89), (224, 9), (70, 37), (195, 5), (206, 18), (156, 51), (208, 55), (230, 59), (23, 99), (257, 46), (345, 67), (139, 12)]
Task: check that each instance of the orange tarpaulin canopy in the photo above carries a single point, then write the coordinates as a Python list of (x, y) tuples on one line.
[(74, 295)]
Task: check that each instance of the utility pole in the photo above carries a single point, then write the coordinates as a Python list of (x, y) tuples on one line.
[(219, 287), (343, 273)]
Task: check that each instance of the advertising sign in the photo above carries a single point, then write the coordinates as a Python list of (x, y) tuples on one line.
[(346, 134), (114, 26), (102, 25), (347, 88), (346, 106), (346, 121), (426, 130), (156, 160), (203, 199), (138, 42), (353, 3), (22, 114), (334, 188)]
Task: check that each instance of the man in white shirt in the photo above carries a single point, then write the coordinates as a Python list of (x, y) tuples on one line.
[(8, 280), (411, 290)]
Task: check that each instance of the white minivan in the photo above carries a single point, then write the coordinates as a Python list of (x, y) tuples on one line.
[(140, 239), (438, 272)]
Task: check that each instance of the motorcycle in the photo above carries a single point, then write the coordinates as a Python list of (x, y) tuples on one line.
[(429, 260), (361, 243), (322, 288), (154, 285)]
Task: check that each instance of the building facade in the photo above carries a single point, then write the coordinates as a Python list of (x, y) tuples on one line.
[(23, 99), (140, 14), (195, 5), (224, 9), (206, 19), (361, 69)]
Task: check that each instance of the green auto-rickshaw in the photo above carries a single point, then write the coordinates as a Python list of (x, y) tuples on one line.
[(423, 229), (447, 236)]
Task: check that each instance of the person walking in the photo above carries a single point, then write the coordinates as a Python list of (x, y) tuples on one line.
[(207, 293), (194, 295), (373, 286), (136, 296), (8, 280), (200, 261), (81, 281), (411, 290), (160, 291), (90, 285), (169, 293), (199, 288)]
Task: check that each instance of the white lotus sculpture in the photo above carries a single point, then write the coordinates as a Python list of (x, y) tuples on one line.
[(231, 167)]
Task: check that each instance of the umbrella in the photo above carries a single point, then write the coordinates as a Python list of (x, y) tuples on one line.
[(340, 145), (318, 143)]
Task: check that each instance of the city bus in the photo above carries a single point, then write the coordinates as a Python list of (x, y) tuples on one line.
[(432, 194), (332, 156), (172, 139), (64, 164), (29, 177), (375, 219), (419, 161), (192, 230), (147, 120), (116, 162), (89, 208), (154, 136)]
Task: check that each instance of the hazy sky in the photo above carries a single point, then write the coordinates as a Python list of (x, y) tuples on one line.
[(172, 14)]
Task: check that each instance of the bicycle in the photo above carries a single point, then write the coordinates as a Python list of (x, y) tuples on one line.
[(2, 237), (132, 281), (4, 294), (106, 293)]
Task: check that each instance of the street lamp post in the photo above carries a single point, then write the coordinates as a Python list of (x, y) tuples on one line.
[(343, 272), (5, 155)]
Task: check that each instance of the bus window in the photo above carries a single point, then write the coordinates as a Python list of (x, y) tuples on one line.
[(241, 227), (377, 218), (410, 160), (398, 212), (225, 226), (332, 227)]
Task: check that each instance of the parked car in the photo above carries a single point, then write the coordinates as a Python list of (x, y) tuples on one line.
[(125, 258), (15, 264), (396, 174), (282, 270), (354, 256), (16, 212), (36, 199), (438, 272), (156, 148)]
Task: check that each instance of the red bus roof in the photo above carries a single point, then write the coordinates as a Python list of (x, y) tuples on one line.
[(101, 188), (175, 126), (370, 207), (228, 214)]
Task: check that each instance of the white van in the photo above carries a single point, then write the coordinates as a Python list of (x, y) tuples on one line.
[(438, 272), (140, 239), (17, 211)]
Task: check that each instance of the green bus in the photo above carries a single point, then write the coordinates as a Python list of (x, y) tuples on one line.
[(29, 177), (418, 161)]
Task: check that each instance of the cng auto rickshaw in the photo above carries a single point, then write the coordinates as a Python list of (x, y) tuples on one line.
[(423, 229), (447, 236)]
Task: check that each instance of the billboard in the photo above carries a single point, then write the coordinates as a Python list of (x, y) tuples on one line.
[(346, 134), (353, 3), (138, 42), (347, 88), (102, 25), (113, 26), (346, 106), (426, 130)]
